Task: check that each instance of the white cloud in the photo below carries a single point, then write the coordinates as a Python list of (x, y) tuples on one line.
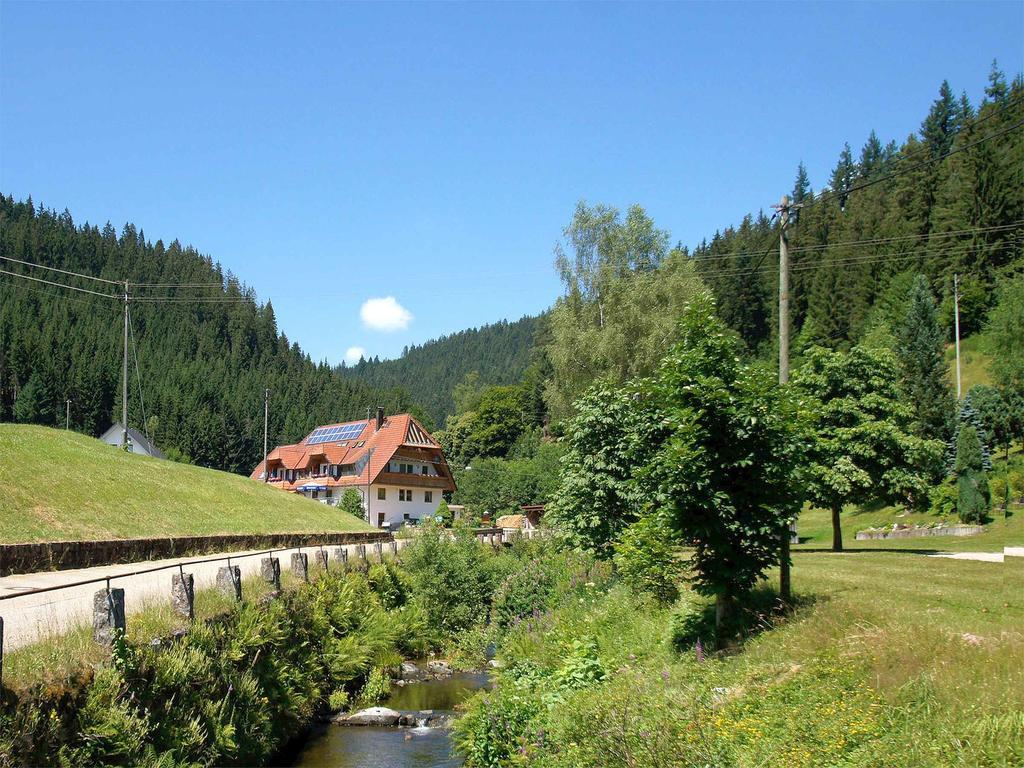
[(352, 354), (385, 314)]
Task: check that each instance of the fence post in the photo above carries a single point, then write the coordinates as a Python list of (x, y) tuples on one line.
[(229, 581), (394, 547), (300, 565), (341, 555), (183, 594), (320, 560), (270, 570), (107, 614), (378, 551)]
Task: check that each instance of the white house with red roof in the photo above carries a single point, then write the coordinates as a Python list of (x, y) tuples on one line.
[(397, 467)]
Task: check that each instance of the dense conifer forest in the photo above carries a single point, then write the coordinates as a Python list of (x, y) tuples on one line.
[(947, 200), (497, 353), (205, 355)]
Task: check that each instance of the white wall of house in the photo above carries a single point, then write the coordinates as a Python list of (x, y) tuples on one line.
[(395, 510)]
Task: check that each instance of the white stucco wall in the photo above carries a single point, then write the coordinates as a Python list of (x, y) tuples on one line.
[(395, 510)]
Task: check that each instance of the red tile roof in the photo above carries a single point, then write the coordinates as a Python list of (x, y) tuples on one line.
[(398, 431)]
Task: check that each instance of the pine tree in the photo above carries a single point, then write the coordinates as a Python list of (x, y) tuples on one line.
[(843, 175), (997, 90), (871, 156), (938, 128), (921, 352), (973, 499), (802, 185)]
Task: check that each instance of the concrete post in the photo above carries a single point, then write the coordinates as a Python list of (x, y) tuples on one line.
[(229, 581), (300, 565), (270, 570), (378, 551), (341, 555), (183, 595), (107, 615), (320, 560), (393, 546)]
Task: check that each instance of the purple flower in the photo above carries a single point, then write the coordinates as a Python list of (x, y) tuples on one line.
[(699, 648)]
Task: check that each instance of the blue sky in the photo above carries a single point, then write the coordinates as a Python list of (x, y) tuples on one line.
[(330, 154)]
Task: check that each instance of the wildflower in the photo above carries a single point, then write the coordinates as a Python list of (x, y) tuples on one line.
[(699, 648)]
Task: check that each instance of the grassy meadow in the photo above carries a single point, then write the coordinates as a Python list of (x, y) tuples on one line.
[(890, 659), (57, 485)]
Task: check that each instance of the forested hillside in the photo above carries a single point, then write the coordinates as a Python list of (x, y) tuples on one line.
[(497, 353), (206, 349), (946, 200)]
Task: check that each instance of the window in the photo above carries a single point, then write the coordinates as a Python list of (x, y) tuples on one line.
[(405, 517), (382, 494), (428, 496), (323, 469), (404, 494), (424, 469)]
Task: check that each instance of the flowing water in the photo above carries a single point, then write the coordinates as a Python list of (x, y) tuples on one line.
[(341, 746)]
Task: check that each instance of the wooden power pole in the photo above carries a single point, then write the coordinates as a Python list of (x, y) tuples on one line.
[(956, 325), (266, 421), (785, 591), (124, 382)]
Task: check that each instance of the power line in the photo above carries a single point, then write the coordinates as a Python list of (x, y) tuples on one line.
[(62, 271), (52, 294), (866, 242), (58, 285)]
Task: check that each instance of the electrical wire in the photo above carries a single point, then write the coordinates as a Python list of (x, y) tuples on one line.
[(62, 271), (59, 285)]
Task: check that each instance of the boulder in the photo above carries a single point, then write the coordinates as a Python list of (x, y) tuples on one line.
[(409, 671), (439, 668), (381, 716)]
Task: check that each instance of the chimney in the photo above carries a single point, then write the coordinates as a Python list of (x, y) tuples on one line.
[(380, 418)]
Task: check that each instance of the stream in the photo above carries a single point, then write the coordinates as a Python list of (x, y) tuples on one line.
[(340, 746)]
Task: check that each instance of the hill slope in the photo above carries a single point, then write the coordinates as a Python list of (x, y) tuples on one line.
[(63, 485), (498, 352), (205, 355)]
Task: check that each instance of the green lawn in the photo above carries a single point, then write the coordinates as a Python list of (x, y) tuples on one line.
[(57, 485)]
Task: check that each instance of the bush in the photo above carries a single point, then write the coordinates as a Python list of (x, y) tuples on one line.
[(647, 556), (522, 593), (376, 689), (973, 499), (451, 577), (352, 502), (942, 499)]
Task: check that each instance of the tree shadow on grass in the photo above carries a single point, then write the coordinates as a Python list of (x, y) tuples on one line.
[(761, 610)]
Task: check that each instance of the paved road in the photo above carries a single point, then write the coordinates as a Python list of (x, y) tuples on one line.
[(986, 557), (33, 617)]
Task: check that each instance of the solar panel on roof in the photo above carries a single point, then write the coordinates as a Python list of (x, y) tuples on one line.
[(334, 434)]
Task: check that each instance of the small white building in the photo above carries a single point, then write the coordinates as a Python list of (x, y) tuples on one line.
[(393, 463), (137, 442)]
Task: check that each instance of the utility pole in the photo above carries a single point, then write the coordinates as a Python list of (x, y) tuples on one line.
[(67, 416), (266, 421), (956, 325), (124, 383), (785, 591)]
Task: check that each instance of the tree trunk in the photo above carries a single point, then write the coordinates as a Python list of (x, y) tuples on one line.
[(837, 531), (723, 610)]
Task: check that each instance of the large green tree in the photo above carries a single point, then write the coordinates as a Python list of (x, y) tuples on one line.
[(972, 495), (623, 291), (612, 433), (727, 471), (863, 448)]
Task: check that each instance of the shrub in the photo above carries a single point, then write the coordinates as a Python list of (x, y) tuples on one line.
[(352, 502), (376, 688), (522, 593), (647, 556), (450, 576), (942, 499), (973, 499)]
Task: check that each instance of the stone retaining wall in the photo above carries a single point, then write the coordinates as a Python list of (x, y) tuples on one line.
[(914, 533), (62, 555)]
